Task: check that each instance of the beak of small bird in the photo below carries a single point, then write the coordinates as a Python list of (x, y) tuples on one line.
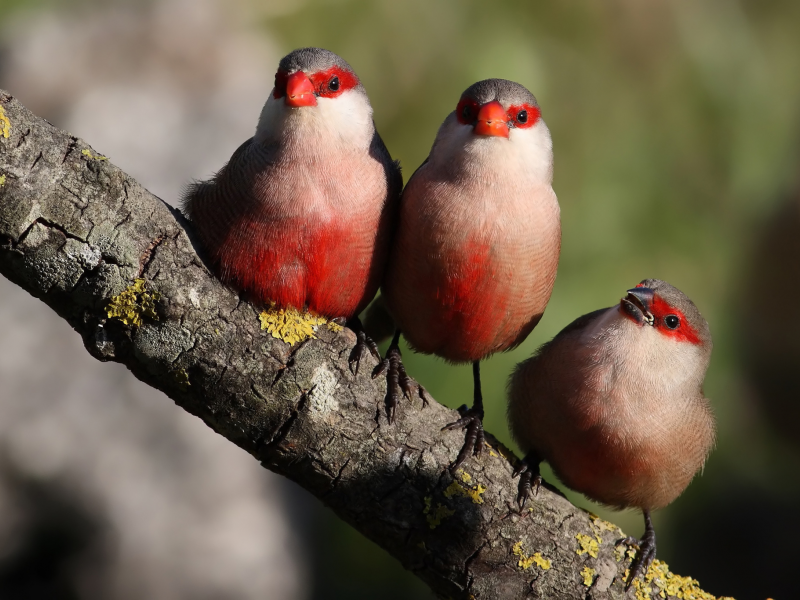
[(299, 91), (492, 119), (636, 305)]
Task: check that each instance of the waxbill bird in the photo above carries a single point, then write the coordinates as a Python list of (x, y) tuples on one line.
[(614, 403), (476, 252), (302, 214)]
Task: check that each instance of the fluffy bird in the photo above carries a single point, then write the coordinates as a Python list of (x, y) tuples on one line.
[(614, 403), (302, 214), (475, 256)]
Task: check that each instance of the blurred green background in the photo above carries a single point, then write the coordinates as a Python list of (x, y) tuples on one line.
[(676, 131)]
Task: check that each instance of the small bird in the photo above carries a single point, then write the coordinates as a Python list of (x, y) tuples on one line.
[(303, 213), (476, 251), (614, 403)]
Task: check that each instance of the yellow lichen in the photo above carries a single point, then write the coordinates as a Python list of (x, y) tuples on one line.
[(182, 377), (436, 516), (6, 129), (659, 580), (292, 326), (589, 545), (134, 304), (2, 180), (588, 576), (491, 450), (88, 153), (541, 561), (602, 525), (465, 489), (503, 451), (624, 550), (526, 561), (620, 550)]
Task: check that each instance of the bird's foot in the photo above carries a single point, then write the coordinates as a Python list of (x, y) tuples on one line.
[(646, 554), (530, 480), (364, 346), (471, 420), (398, 383)]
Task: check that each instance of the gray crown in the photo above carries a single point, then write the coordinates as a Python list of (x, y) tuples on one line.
[(312, 60), (508, 93)]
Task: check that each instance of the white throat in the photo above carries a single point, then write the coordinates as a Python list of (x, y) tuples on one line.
[(645, 356), (526, 153), (344, 123)]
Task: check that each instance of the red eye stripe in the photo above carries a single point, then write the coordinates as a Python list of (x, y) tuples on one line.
[(347, 81), (280, 84), (534, 114), (683, 332), (467, 117)]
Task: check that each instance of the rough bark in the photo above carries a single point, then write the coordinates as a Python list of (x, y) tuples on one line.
[(75, 232)]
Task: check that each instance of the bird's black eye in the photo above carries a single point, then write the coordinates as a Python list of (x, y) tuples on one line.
[(466, 112), (333, 84), (522, 116), (672, 321)]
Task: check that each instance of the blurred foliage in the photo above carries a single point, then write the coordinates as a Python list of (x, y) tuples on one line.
[(676, 129)]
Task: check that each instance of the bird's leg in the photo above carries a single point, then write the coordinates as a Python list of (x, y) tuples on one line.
[(471, 420), (397, 380), (530, 480), (647, 550), (364, 344)]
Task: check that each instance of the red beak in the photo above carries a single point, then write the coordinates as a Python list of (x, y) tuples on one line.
[(299, 90), (492, 119)]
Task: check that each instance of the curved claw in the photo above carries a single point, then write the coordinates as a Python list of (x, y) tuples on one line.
[(380, 368), (472, 421), (364, 346), (398, 381), (530, 480)]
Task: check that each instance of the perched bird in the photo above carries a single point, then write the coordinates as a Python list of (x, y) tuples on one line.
[(302, 214), (476, 251), (614, 403)]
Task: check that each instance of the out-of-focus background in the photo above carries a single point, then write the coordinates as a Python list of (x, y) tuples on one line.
[(676, 127)]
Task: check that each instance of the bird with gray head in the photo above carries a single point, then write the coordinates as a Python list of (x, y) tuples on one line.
[(303, 213), (615, 404), (475, 256)]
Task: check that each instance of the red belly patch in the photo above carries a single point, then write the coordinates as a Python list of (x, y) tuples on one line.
[(470, 300), (306, 264)]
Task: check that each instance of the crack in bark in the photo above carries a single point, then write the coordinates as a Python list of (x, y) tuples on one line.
[(39, 157), (73, 141), (286, 427), (148, 254), (470, 559), (49, 225)]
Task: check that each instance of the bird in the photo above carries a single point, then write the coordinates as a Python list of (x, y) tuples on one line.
[(615, 404), (302, 214), (475, 254)]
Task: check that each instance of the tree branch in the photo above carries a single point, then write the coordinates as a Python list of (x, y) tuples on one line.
[(76, 232)]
